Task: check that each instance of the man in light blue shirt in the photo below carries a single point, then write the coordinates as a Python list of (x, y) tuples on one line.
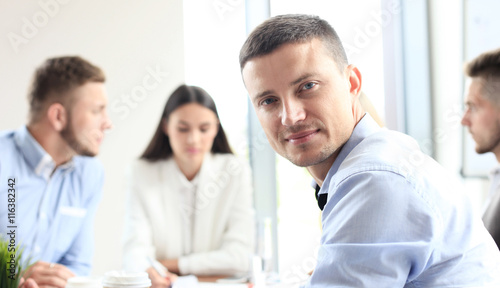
[(393, 217), (49, 172)]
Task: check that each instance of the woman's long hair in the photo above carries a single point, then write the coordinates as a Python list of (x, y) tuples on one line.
[(159, 147)]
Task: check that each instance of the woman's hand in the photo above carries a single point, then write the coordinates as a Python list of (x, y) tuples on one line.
[(160, 282), (172, 265)]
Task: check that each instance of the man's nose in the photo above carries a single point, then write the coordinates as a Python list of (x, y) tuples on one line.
[(106, 124), (292, 112), (465, 119)]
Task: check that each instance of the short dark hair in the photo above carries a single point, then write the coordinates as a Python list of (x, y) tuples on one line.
[(57, 76), (159, 146), (294, 28), (487, 68)]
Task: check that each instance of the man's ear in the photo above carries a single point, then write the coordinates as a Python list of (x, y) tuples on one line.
[(58, 116), (355, 80)]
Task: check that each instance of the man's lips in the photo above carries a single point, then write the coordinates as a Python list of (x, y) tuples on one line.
[(301, 137)]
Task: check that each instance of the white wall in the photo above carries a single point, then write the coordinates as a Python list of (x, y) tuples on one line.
[(125, 38)]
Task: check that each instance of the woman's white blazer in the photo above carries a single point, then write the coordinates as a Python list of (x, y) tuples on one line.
[(223, 226)]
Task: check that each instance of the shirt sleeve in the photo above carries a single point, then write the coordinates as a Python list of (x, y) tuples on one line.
[(238, 240), (377, 232), (137, 236), (78, 258)]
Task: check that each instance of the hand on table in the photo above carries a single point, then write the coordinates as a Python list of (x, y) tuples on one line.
[(160, 282), (48, 275), (30, 283)]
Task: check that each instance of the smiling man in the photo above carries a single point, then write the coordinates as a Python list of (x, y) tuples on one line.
[(482, 118), (55, 181), (393, 217)]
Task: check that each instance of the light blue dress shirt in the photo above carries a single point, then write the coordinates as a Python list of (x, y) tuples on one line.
[(55, 209), (395, 218)]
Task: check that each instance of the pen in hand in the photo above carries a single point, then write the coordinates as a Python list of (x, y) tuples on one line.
[(162, 270)]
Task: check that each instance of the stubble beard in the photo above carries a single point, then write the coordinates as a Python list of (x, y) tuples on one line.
[(68, 135), (494, 142), (322, 156)]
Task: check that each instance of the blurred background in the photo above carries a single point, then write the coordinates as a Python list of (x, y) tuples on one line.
[(410, 52)]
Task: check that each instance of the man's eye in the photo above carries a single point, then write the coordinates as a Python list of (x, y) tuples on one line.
[(98, 110), (267, 101), (309, 86)]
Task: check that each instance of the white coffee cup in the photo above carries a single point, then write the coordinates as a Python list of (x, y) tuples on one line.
[(122, 279), (84, 282)]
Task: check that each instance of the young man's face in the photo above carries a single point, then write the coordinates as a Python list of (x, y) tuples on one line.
[(87, 119), (482, 118), (303, 102)]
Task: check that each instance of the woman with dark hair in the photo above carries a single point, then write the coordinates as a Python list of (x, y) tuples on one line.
[(190, 198)]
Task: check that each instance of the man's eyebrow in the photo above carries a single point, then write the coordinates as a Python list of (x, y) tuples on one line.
[(293, 83), (300, 79), (263, 94)]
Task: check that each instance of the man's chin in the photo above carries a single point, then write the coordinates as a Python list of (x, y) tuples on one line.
[(304, 160), (482, 150), (87, 152)]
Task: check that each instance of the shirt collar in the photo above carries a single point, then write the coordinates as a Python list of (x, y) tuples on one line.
[(192, 184), (40, 161), (365, 127)]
